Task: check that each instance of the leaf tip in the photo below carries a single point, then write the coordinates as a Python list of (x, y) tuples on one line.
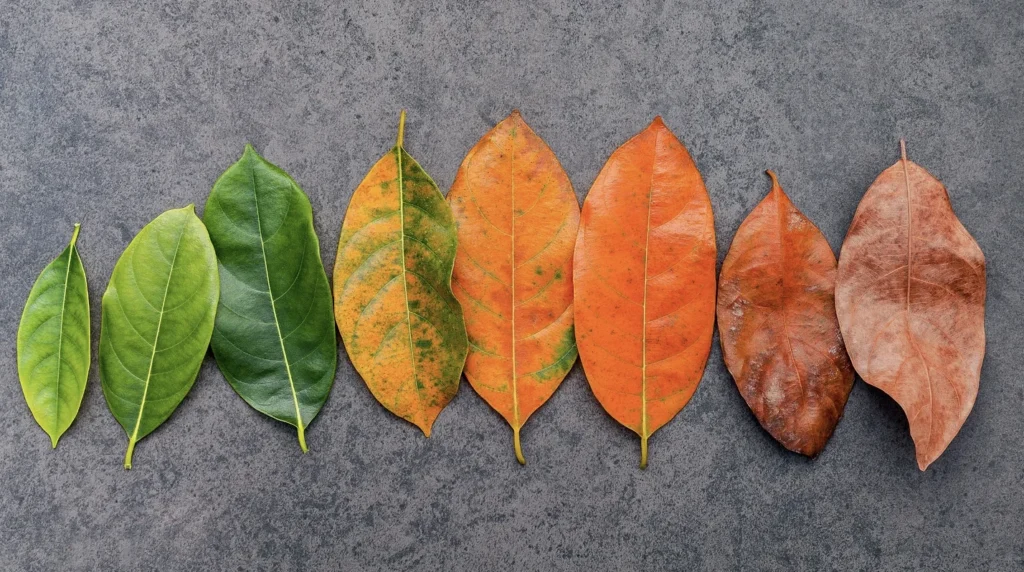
[(658, 121), (53, 440), (924, 462)]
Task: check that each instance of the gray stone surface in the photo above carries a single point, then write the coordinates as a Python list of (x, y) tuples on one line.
[(112, 112)]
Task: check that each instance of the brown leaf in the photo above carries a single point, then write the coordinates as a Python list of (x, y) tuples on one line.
[(778, 328), (910, 296)]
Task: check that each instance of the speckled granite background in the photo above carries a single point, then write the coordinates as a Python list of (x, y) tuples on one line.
[(112, 112)]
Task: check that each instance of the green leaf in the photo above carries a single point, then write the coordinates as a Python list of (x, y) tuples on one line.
[(403, 328), (158, 315), (274, 339), (53, 342)]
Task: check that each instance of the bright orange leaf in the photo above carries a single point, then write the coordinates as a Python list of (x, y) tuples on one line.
[(517, 219), (644, 274)]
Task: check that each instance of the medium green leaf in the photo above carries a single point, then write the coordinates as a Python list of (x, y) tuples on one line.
[(403, 328), (274, 339), (53, 342), (158, 315)]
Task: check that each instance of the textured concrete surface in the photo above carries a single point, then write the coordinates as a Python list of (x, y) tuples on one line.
[(111, 113)]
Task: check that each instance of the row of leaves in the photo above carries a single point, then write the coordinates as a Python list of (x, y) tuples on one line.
[(507, 281)]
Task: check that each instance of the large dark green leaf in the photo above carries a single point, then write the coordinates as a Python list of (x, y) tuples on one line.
[(274, 339), (53, 343), (158, 315)]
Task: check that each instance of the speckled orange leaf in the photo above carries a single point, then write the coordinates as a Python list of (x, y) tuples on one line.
[(778, 327), (910, 296), (393, 302), (517, 218), (644, 278)]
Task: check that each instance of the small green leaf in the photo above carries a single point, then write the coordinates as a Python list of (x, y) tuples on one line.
[(158, 314), (274, 338), (53, 342)]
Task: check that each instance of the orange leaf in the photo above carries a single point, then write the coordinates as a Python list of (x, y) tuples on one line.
[(517, 218), (778, 327), (644, 274), (910, 296)]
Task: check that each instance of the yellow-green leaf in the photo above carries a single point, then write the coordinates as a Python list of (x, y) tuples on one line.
[(53, 342)]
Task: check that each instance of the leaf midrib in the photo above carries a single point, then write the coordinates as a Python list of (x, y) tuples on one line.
[(60, 337), (64, 306), (405, 276), (516, 425), (783, 307), (644, 435), (152, 356), (273, 310), (910, 280)]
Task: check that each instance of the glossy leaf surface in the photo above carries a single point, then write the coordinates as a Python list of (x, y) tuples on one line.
[(403, 328), (644, 278), (157, 317), (910, 296), (517, 218), (53, 343), (274, 338), (778, 327)]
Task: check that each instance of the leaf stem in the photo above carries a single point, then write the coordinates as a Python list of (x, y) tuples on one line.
[(401, 129), (903, 149), (643, 451), (302, 440), (128, 454), (518, 446), (74, 235)]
